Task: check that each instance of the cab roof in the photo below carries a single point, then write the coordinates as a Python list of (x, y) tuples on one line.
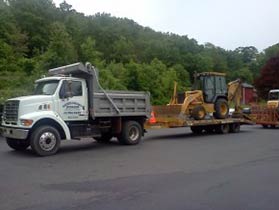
[(274, 91), (55, 78), (212, 73)]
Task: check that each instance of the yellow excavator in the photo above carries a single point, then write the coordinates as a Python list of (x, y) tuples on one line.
[(210, 94)]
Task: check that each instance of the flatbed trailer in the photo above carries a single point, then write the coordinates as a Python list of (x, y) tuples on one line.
[(265, 116), (170, 117)]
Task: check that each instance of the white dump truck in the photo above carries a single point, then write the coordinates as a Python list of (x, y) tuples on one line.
[(71, 104)]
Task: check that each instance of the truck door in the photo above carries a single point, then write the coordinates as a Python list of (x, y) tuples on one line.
[(73, 104)]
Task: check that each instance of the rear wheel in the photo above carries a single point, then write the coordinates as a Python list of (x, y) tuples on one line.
[(18, 144), (221, 109), (223, 128), (131, 133), (45, 140), (198, 113)]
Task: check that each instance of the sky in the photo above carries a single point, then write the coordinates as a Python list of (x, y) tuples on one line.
[(225, 23)]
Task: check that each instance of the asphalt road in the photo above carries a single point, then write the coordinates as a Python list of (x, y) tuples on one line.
[(171, 169)]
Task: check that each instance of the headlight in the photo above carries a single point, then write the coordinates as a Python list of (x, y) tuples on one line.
[(26, 122)]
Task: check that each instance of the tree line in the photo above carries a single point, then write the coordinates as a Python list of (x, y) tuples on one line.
[(35, 35)]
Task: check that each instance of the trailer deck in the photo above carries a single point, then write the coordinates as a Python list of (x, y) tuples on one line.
[(169, 117)]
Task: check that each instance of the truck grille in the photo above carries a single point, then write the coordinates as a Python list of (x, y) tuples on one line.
[(10, 112)]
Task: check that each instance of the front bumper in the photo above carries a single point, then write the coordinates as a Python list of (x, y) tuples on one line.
[(14, 133)]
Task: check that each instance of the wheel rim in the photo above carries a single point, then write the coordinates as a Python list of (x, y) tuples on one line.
[(224, 109), (201, 114), (47, 141), (225, 128), (133, 133)]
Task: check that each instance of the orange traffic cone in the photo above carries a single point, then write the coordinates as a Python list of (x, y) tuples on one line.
[(152, 119)]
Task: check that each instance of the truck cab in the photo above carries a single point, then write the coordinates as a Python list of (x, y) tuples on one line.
[(273, 99), (71, 104)]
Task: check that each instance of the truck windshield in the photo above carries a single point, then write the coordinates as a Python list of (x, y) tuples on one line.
[(46, 87), (273, 96)]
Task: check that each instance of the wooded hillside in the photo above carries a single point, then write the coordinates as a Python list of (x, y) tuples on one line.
[(35, 35)]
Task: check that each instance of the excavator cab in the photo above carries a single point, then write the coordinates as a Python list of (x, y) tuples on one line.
[(212, 84)]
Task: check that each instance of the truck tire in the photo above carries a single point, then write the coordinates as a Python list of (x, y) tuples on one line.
[(198, 112), (197, 129), (223, 128), (18, 144), (234, 127), (104, 138), (131, 133), (45, 140), (221, 109)]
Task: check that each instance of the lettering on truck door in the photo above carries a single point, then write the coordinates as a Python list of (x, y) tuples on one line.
[(73, 101)]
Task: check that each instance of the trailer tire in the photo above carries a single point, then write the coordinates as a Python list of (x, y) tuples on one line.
[(265, 126), (18, 144), (104, 138), (197, 129), (234, 127), (131, 133), (209, 129), (198, 112), (221, 109), (45, 140), (223, 128)]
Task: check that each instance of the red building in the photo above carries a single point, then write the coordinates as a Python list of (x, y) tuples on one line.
[(249, 94)]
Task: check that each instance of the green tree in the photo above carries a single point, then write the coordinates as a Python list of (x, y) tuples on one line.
[(89, 53), (61, 50)]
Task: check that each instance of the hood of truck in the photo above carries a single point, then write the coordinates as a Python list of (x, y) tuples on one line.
[(33, 103)]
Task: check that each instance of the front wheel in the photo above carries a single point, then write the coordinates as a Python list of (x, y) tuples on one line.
[(45, 140), (198, 112), (131, 133), (18, 144)]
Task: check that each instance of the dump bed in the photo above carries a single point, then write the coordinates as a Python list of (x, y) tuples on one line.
[(121, 103), (107, 103)]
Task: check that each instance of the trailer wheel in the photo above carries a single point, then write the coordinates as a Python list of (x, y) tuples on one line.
[(198, 112), (265, 126), (234, 127), (18, 144), (104, 138), (223, 128), (197, 129), (221, 109), (209, 129), (45, 140), (131, 133)]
